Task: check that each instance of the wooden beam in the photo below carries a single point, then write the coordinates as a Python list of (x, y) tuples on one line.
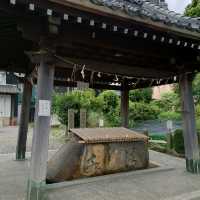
[(189, 125), (112, 68), (24, 120), (102, 86), (41, 131)]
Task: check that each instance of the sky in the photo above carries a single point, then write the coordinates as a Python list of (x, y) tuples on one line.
[(178, 5)]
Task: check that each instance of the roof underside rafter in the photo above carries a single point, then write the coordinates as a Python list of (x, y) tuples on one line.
[(135, 48)]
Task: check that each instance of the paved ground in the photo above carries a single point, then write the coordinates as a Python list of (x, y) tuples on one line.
[(154, 185), (170, 182), (8, 140)]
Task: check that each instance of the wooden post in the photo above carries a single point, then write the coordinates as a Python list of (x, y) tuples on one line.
[(83, 118), (24, 120), (189, 126), (124, 104), (41, 131), (71, 120)]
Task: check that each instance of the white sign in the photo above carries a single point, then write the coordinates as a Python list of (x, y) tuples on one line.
[(169, 125), (101, 123), (44, 108)]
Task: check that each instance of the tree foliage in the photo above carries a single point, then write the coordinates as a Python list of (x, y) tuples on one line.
[(74, 100), (193, 9), (105, 106), (111, 107), (169, 101), (144, 95), (140, 111), (196, 88)]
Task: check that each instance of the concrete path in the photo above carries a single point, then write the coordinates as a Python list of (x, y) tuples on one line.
[(8, 140), (169, 182)]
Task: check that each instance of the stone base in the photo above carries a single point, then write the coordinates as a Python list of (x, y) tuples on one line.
[(193, 166), (100, 159), (73, 161), (36, 191)]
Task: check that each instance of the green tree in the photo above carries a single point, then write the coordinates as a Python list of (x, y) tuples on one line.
[(196, 88), (140, 111), (170, 101), (193, 9), (144, 95), (74, 100), (110, 108), (105, 106)]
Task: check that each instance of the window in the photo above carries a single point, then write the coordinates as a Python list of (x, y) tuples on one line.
[(2, 78)]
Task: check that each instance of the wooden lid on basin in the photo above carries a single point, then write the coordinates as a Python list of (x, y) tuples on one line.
[(102, 135)]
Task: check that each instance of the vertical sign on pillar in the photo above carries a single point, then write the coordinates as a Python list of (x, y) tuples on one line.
[(44, 108), (83, 118)]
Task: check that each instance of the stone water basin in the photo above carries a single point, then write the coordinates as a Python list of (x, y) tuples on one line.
[(98, 151)]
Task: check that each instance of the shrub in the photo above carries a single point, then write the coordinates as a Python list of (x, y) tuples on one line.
[(170, 115), (158, 147), (178, 141), (198, 124), (106, 106), (139, 111), (110, 101), (195, 87), (93, 119), (110, 108), (144, 95), (158, 137), (197, 110), (169, 101), (74, 100)]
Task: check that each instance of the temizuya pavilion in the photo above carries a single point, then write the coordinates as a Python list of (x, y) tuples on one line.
[(109, 44)]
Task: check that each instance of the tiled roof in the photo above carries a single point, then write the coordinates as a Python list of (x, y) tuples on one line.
[(147, 9), (102, 135)]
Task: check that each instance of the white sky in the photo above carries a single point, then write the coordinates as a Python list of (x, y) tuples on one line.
[(178, 5)]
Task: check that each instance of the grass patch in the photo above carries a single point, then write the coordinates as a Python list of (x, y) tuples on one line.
[(158, 147), (158, 137)]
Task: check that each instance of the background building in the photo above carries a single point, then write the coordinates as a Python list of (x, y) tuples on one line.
[(160, 90), (8, 99)]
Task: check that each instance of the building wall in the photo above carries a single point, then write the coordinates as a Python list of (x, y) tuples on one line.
[(8, 100), (160, 90)]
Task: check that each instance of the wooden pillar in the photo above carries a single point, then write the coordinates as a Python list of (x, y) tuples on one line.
[(189, 126), (124, 104), (39, 156), (24, 120)]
